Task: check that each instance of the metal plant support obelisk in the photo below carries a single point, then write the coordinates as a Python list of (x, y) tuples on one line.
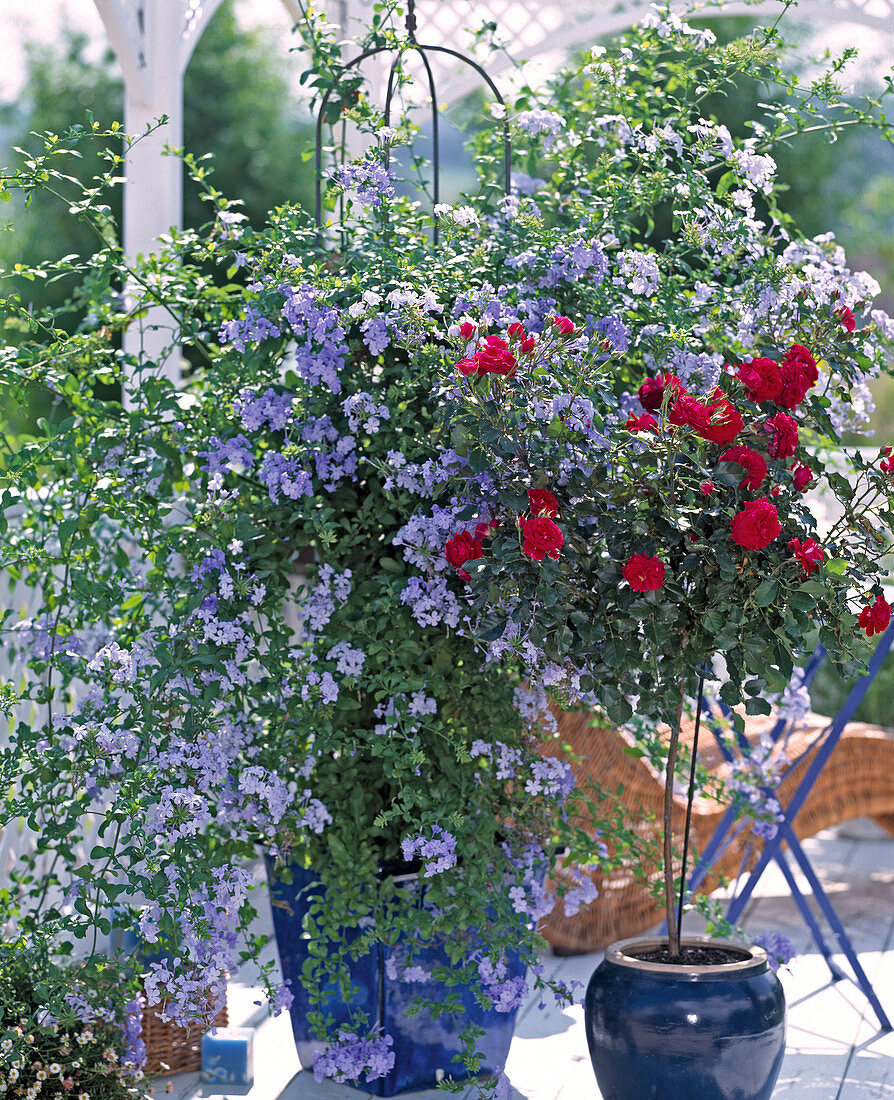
[(411, 45)]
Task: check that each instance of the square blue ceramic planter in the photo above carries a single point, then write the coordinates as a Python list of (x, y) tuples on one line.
[(424, 1048)]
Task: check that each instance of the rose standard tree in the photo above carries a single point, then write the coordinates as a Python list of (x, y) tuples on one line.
[(631, 540)]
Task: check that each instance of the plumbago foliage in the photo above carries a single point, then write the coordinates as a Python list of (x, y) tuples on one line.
[(247, 630)]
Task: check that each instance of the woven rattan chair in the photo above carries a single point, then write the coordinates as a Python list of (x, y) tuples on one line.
[(857, 781)]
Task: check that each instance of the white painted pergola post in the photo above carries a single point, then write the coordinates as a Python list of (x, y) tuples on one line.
[(153, 41)]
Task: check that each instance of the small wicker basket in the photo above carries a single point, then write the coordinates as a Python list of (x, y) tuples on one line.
[(173, 1049)]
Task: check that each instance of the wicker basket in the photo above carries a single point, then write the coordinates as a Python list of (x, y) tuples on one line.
[(857, 781), (173, 1049)]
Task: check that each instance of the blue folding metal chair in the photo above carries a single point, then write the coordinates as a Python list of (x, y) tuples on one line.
[(821, 749)]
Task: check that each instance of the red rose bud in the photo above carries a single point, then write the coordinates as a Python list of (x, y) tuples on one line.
[(706, 488), (466, 366), (757, 525), (462, 548), (809, 553), (846, 318), (874, 618), (541, 537), (775, 491), (761, 378), (526, 345), (467, 330), (752, 462), (887, 451), (643, 573), (799, 372), (887, 465), (784, 430), (543, 503), (801, 476), (494, 357), (644, 423), (564, 324), (516, 329), (494, 523), (482, 531), (651, 392)]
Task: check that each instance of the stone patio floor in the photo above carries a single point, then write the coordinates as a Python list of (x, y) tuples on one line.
[(835, 1050)]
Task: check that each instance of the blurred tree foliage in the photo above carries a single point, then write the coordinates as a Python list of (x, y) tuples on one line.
[(238, 106)]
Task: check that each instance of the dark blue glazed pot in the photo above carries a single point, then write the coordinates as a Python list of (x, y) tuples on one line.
[(424, 1048), (685, 1033)]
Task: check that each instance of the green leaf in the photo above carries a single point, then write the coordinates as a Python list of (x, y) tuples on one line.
[(765, 593)]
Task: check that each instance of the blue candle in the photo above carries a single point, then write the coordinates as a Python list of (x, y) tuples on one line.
[(228, 1056)]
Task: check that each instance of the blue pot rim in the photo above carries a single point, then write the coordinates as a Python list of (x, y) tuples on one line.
[(757, 962)]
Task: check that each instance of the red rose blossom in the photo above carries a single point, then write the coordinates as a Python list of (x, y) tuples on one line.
[(688, 412), (809, 553), (846, 318), (467, 366), (801, 476), (761, 378), (651, 392), (757, 525), (543, 503), (752, 462), (644, 423), (494, 357), (541, 537), (784, 430), (887, 465), (799, 373), (643, 573), (564, 324), (467, 330), (706, 488), (462, 548), (874, 618), (725, 423)]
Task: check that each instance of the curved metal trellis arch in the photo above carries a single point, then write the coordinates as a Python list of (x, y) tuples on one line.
[(411, 44)]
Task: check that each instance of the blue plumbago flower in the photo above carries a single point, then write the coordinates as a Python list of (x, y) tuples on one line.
[(349, 661), (348, 1056), (638, 271), (552, 777), (438, 851), (330, 591), (361, 408), (583, 893), (506, 992), (540, 121), (252, 328), (134, 1055), (228, 454), (366, 182), (268, 409), (779, 948), (321, 347)]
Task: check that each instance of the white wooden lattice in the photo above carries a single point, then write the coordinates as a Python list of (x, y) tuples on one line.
[(534, 30)]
